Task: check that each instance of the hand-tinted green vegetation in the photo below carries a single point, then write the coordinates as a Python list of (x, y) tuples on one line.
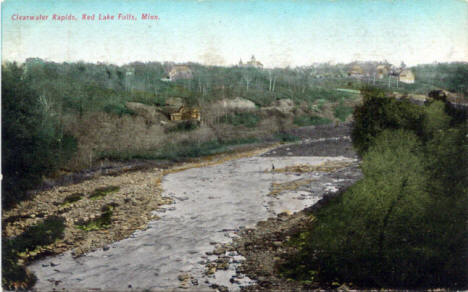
[(310, 120), (102, 192), (75, 197), (342, 111), (33, 141), (184, 126), (187, 149), (247, 119), (14, 274), (450, 76), (404, 224), (59, 115), (101, 222)]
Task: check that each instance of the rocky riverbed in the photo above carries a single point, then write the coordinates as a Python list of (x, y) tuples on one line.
[(196, 213)]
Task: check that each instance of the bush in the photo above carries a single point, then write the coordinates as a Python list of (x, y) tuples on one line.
[(15, 275), (310, 121), (185, 126), (378, 113), (103, 191), (247, 119), (118, 109), (342, 111)]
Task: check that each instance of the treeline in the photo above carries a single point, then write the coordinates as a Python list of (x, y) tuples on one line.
[(84, 86), (449, 76), (81, 87), (404, 224)]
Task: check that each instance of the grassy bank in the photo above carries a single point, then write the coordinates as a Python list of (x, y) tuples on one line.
[(189, 149)]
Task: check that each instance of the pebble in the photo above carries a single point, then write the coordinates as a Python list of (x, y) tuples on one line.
[(183, 277), (277, 243)]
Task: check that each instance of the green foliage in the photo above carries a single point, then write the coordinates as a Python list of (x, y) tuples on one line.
[(247, 119), (103, 191), (185, 126), (404, 224), (451, 76), (118, 109), (75, 197), (148, 98), (102, 222), (378, 113), (180, 151), (44, 233), (286, 137), (342, 111), (310, 120), (33, 141), (370, 230)]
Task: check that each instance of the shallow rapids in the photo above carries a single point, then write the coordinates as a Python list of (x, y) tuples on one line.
[(211, 204)]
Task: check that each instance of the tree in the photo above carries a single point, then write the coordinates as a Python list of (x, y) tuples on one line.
[(31, 141)]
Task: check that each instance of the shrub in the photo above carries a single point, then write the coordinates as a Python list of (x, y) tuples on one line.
[(102, 192), (102, 222), (75, 197), (342, 111), (378, 113), (118, 109), (246, 119), (184, 126), (310, 121), (14, 275)]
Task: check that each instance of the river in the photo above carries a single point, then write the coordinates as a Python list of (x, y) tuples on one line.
[(210, 205)]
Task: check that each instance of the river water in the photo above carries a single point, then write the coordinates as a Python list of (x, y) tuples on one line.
[(211, 204)]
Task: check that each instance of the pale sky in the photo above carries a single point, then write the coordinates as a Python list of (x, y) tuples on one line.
[(278, 32)]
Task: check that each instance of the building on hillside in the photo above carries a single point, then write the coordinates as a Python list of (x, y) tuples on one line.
[(406, 76), (183, 114), (179, 72), (252, 63), (382, 71), (356, 72)]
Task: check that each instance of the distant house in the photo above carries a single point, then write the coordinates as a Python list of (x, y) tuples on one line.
[(183, 113), (356, 71), (252, 63), (382, 71), (406, 76), (179, 72)]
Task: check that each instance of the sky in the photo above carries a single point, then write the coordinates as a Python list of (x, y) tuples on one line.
[(279, 33)]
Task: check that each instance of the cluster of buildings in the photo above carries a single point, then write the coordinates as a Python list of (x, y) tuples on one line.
[(382, 71), (253, 63)]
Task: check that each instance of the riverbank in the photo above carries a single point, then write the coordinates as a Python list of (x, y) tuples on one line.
[(134, 195)]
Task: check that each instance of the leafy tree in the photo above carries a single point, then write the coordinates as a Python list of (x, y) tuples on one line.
[(31, 140), (404, 224), (378, 113), (370, 236)]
